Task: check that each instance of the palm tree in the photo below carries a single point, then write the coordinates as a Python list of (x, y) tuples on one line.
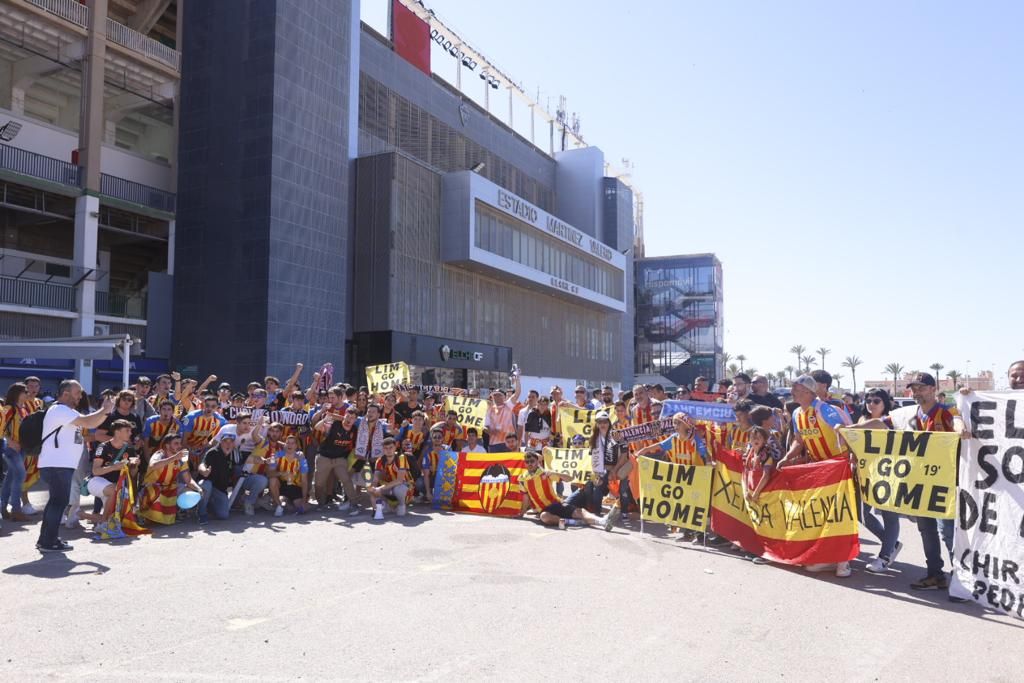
[(808, 361), (780, 376), (741, 358), (955, 376), (797, 350), (822, 351), (726, 357), (751, 371), (894, 369), (733, 369), (853, 362), (789, 369), (936, 368), (835, 378)]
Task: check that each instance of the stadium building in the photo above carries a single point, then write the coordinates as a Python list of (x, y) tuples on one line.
[(87, 185), (252, 183)]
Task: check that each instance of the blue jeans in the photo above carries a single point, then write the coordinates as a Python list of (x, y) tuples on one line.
[(929, 528), (213, 499), (887, 531), (10, 490), (255, 485), (58, 481)]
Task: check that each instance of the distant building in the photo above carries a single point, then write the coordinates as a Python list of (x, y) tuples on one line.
[(983, 382), (679, 317)]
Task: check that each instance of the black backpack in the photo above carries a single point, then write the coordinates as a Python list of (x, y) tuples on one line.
[(31, 433)]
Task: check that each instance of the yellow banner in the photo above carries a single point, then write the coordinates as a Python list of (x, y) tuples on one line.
[(575, 421), (381, 379), (472, 411), (576, 462), (913, 473), (677, 495)]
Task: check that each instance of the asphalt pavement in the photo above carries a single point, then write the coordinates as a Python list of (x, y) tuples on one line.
[(444, 596)]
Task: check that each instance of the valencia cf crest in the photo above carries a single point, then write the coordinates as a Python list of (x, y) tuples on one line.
[(446, 353), (494, 486)]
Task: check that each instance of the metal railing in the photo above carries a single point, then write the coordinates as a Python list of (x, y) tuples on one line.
[(133, 40), (137, 193), (70, 10), (38, 166), (36, 294), (77, 13), (121, 305)]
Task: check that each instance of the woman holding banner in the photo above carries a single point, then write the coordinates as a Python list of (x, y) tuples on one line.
[(877, 405)]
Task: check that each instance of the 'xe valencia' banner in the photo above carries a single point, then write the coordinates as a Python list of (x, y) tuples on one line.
[(805, 515)]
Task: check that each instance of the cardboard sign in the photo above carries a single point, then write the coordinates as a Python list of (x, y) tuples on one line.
[(382, 379), (471, 411), (576, 462), (909, 472), (677, 495)]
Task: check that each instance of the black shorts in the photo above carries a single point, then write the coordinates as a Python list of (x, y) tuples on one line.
[(560, 510), (291, 491)]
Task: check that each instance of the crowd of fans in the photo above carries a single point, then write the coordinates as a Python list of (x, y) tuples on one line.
[(283, 448)]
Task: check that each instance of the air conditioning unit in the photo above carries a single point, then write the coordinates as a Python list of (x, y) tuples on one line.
[(100, 330)]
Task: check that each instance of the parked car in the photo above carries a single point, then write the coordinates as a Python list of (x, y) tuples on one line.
[(902, 401)]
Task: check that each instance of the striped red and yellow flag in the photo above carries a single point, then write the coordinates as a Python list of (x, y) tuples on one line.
[(488, 483), (124, 507), (806, 514)]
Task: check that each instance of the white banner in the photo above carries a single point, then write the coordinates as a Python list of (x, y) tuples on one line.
[(988, 545)]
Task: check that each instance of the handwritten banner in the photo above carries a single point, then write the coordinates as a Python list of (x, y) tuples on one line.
[(806, 514), (677, 495), (471, 411), (909, 472), (699, 410), (382, 379), (988, 539), (576, 462), (574, 421), (644, 432)]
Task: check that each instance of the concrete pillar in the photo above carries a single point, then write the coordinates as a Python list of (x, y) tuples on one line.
[(18, 100), (85, 259), (90, 132)]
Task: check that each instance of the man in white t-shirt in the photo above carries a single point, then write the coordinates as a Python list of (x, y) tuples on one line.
[(58, 459)]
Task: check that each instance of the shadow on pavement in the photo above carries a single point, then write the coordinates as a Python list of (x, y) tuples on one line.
[(892, 585), (56, 566)]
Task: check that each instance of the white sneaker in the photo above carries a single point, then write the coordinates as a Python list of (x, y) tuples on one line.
[(279, 512), (879, 565), (815, 568), (401, 509), (354, 512), (843, 570), (27, 509), (344, 506), (379, 514), (250, 509), (895, 552)]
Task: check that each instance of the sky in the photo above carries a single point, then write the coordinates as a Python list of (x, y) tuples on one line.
[(858, 168)]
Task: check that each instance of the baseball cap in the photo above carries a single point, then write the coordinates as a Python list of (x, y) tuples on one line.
[(922, 378), (601, 415), (224, 385), (807, 382)]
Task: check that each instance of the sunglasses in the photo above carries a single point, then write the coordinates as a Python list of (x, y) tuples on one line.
[(872, 400)]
